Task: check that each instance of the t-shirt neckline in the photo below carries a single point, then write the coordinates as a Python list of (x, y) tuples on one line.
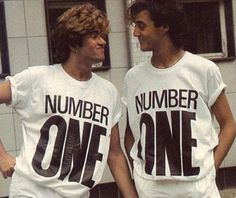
[(168, 69), (73, 80)]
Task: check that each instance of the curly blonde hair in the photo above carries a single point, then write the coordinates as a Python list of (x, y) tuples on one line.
[(73, 25)]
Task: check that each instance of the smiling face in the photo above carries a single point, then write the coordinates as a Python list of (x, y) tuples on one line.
[(92, 49), (149, 36), (76, 25)]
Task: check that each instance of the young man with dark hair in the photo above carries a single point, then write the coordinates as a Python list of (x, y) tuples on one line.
[(69, 116), (172, 100)]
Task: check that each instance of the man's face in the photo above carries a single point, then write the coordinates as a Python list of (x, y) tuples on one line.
[(92, 50), (149, 36)]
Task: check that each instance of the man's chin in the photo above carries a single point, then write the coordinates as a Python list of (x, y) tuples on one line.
[(144, 50), (98, 60)]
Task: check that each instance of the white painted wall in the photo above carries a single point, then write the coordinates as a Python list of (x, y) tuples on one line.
[(27, 43)]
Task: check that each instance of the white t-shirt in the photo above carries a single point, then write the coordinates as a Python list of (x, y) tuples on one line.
[(171, 119), (66, 128)]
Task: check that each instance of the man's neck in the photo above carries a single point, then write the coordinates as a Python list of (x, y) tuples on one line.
[(78, 69), (166, 56)]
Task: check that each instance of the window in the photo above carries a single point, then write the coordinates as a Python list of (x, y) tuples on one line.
[(54, 8), (4, 60), (211, 28)]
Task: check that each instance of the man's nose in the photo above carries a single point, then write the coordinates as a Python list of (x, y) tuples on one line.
[(136, 32), (102, 41)]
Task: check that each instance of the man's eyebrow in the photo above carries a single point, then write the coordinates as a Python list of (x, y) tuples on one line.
[(139, 22)]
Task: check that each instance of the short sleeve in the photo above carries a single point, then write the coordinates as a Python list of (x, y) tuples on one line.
[(20, 88), (117, 109), (124, 93), (215, 85)]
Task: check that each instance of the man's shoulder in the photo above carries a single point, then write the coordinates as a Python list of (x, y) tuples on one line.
[(200, 62), (199, 58), (135, 70), (42, 68), (40, 71), (104, 82)]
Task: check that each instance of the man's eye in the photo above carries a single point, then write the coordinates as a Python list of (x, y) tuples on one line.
[(104, 37), (139, 25), (94, 34)]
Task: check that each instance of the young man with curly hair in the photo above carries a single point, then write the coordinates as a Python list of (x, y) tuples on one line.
[(69, 116), (172, 100)]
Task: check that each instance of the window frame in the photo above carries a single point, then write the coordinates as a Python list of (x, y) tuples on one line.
[(227, 30), (3, 43), (57, 4)]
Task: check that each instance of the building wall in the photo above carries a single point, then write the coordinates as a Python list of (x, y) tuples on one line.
[(27, 43)]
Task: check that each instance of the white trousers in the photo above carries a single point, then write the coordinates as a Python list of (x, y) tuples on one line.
[(22, 187), (203, 188)]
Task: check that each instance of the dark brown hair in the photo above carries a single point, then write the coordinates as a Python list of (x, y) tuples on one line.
[(163, 13)]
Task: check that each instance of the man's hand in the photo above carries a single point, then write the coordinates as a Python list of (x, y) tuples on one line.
[(7, 163)]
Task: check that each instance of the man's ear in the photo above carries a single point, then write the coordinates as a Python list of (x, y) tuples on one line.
[(166, 28), (73, 49)]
